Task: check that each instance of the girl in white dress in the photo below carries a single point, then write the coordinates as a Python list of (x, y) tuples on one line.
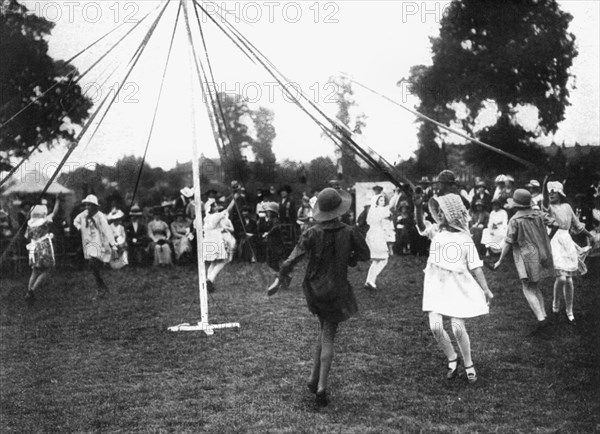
[(218, 243), (378, 220), (454, 284), (566, 254)]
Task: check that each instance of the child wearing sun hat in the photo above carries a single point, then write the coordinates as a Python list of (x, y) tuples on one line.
[(41, 250), (454, 285), (331, 246), (530, 243)]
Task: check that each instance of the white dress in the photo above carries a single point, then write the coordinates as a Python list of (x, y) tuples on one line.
[(218, 243), (567, 256), (449, 288), (377, 234)]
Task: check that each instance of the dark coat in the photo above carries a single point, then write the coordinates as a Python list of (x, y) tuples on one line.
[(331, 248), (141, 235)]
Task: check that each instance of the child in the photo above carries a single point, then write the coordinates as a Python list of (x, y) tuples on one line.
[(41, 251), (331, 246), (271, 234), (565, 253), (97, 240), (527, 236), (218, 243), (449, 288), (379, 222)]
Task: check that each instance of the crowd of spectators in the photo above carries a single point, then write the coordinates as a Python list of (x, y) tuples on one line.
[(267, 223)]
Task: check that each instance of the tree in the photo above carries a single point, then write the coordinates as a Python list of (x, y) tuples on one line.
[(262, 146), (347, 164), (513, 53), (26, 71)]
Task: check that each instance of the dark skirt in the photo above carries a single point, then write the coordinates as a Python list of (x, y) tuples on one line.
[(331, 303)]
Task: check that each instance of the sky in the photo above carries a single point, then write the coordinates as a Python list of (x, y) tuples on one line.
[(376, 42)]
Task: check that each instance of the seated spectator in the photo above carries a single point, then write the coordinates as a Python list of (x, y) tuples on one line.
[(493, 237), (115, 221), (137, 237), (479, 221), (159, 234), (180, 233), (481, 194)]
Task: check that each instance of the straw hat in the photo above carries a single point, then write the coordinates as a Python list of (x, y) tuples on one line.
[(521, 199), (135, 211), (187, 192), (331, 203), (115, 214), (271, 206), (555, 187), (534, 183), (38, 216), (92, 199)]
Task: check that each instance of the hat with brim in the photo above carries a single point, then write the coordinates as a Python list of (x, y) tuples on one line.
[(91, 199), (135, 211), (534, 183), (38, 216), (271, 206), (115, 214), (555, 187), (521, 199), (480, 184), (187, 192), (331, 203)]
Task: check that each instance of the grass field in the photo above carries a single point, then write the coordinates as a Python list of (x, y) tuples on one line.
[(72, 365)]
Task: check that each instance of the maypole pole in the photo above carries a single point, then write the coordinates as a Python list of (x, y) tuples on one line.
[(203, 325)]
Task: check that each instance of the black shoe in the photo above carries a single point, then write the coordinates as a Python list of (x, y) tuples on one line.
[(369, 287), (312, 387), (210, 287), (571, 321), (321, 399)]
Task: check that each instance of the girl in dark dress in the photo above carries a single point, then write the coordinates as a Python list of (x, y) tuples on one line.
[(331, 247)]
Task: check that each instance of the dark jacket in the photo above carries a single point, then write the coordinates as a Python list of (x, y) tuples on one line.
[(331, 248)]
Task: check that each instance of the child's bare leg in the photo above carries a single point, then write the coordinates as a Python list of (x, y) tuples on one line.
[(328, 331), (42, 274), (559, 284), (534, 287), (462, 339), (569, 296), (532, 298), (33, 278), (436, 324), (314, 375)]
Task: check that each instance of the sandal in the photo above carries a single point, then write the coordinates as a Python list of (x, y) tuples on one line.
[(452, 372), (471, 375)]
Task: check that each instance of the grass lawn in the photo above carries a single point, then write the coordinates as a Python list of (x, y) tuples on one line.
[(68, 364)]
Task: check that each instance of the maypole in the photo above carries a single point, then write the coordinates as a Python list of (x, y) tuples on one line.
[(203, 324)]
